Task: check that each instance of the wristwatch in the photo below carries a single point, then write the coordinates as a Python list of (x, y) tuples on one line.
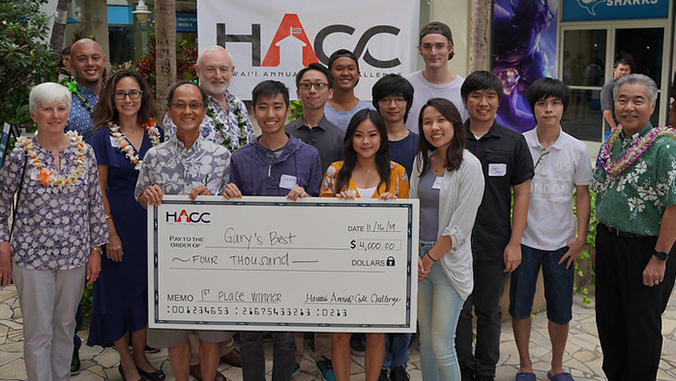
[(661, 255)]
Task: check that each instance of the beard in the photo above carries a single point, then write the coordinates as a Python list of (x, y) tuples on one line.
[(211, 88)]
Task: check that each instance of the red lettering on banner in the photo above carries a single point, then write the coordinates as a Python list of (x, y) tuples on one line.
[(290, 26)]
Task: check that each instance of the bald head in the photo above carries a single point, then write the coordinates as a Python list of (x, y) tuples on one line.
[(87, 62), (214, 69)]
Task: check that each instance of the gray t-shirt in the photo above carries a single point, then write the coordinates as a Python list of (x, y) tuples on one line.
[(429, 207), (607, 101), (425, 90), (342, 118)]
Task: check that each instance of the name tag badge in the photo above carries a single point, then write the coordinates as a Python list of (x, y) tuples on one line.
[(288, 182), (497, 169), (114, 142), (34, 174), (437, 182)]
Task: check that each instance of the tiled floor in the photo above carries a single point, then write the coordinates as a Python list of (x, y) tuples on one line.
[(583, 352)]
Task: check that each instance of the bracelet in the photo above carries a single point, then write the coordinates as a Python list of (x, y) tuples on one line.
[(433, 260), (108, 216), (97, 249)]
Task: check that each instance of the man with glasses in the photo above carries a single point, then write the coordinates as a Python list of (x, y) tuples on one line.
[(552, 239), (227, 120), (187, 165), (314, 88), (435, 80), (227, 123)]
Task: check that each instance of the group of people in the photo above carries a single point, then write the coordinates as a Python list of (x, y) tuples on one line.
[(494, 204)]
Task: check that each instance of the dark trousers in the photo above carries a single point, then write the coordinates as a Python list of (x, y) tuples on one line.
[(253, 356), (489, 282), (629, 314)]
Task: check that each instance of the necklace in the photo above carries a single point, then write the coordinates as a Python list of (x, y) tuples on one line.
[(631, 154), (126, 146), (72, 87), (241, 124), (48, 178)]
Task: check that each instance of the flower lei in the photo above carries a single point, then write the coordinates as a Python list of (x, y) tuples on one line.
[(125, 145), (48, 178), (72, 87), (631, 154), (241, 123)]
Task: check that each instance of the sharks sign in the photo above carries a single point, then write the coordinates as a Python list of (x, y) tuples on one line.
[(274, 40), (588, 10)]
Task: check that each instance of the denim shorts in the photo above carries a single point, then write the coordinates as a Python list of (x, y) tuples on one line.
[(558, 282)]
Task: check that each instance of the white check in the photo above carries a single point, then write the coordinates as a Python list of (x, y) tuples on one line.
[(265, 263)]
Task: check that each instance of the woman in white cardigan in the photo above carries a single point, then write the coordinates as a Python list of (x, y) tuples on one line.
[(449, 183)]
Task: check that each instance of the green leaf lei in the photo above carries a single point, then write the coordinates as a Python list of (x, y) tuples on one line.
[(241, 123), (72, 87)]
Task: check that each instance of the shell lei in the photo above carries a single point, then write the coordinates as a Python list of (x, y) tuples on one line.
[(631, 154), (48, 178), (125, 145)]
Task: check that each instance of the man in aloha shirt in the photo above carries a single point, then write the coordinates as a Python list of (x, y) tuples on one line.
[(87, 63), (635, 181), (227, 121)]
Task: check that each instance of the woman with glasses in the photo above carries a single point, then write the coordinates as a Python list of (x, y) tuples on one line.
[(124, 131), (366, 172)]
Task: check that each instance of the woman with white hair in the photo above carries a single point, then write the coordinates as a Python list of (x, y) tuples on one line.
[(58, 226)]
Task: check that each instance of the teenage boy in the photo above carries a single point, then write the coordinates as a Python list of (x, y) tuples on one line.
[(496, 241), (344, 67), (274, 164), (552, 239), (180, 166), (435, 45), (392, 96), (314, 87)]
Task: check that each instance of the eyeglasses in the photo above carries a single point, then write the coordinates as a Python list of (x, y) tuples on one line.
[(133, 94), (543, 156), (397, 101), (194, 106), (308, 85)]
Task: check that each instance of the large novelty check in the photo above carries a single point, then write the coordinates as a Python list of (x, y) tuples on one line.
[(264, 263)]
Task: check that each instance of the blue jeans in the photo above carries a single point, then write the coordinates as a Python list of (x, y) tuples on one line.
[(439, 307), (558, 283), (253, 357), (396, 349)]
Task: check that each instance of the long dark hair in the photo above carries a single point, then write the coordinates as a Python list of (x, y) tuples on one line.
[(350, 155), (454, 153), (105, 110)]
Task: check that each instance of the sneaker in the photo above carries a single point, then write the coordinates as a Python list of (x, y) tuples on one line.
[(296, 367), (357, 344), (383, 375), (326, 369), (75, 363), (399, 374)]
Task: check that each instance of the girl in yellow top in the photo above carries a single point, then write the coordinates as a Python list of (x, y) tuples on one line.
[(366, 172)]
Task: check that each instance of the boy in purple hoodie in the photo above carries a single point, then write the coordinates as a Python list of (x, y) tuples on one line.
[(275, 164)]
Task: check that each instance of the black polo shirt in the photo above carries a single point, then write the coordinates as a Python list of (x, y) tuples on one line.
[(325, 137), (506, 162)]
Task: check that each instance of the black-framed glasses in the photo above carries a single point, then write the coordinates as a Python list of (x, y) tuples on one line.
[(132, 94), (308, 85), (397, 101), (194, 106)]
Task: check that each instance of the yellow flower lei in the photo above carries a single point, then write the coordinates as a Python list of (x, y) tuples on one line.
[(48, 178)]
